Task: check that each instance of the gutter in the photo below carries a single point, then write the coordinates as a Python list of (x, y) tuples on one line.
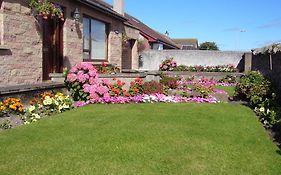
[(103, 9)]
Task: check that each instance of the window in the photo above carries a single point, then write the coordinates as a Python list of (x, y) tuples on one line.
[(94, 39), (157, 46)]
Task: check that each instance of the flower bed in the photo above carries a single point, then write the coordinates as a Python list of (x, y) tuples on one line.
[(13, 113), (170, 65), (86, 87)]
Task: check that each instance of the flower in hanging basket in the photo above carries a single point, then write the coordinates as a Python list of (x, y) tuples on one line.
[(46, 9)]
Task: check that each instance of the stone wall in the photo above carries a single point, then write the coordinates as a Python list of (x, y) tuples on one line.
[(151, 59), (271, 68), (20, 62)]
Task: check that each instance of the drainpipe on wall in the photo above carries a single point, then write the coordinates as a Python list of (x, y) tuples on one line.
[(270, 61), (118, 6)]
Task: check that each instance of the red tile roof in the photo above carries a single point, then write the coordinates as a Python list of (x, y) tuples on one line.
[(150, 34)]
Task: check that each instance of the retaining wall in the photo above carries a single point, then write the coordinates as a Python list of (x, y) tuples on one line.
[(151, 59)]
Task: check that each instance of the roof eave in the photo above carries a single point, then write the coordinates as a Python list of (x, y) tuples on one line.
[(102, 9)]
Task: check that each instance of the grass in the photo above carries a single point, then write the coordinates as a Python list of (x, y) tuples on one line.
[(142, 139), (229, 89)]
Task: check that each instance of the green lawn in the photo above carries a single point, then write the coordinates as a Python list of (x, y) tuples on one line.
[(229, 89), (142, 139)]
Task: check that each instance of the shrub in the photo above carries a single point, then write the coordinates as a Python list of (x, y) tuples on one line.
[(256, 89), (136, 87), (84, 83), (168, 65), (231, 79), (152, 87), (203, 89), (170, 82), (117, 90), (107, 69), (253, 87), (181, 68)]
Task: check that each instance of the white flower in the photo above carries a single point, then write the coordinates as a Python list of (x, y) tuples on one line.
[(47, 100), (31, 109), (262, 109), (36, 116)]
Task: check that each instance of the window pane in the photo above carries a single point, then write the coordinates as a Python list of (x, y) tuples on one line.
[(86, 33), (98, 39)]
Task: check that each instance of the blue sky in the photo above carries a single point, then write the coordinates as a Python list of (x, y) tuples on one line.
[(232, 24)]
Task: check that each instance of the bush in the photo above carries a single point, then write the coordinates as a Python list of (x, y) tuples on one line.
[(153, 87), (170, 82), (231, 79), (256, 89), (136, 87), (253, 87), (84, 83), (168, 65), (117, 89)]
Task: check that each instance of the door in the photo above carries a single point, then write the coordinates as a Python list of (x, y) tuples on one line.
[(52, 47), (127, 54)]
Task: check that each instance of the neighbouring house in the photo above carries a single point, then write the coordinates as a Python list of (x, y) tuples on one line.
[(149, 38), (32, 49), (187, 43)]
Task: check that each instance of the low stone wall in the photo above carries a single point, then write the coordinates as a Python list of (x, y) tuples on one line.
[(28, 92), (151, 59)]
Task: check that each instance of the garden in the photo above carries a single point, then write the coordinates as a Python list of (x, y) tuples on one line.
[(179, 125)]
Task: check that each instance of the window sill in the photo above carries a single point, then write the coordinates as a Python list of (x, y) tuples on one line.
[(4, 47)]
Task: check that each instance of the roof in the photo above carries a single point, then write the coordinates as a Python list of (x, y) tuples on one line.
[(272, 48), (186, 41), (149, 33), (103, 7)]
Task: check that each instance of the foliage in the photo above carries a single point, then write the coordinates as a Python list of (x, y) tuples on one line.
[(255, 88), (208, 46), (168, 81), (136, 87), (46, 9), (168, 65), (46, 104), (117, 89), (203, 88), (84, 83), (107, 69), (220, 68), (6, 124), (231, 79), (152, 87)]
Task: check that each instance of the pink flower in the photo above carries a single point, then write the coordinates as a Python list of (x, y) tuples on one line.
[(71, 77)]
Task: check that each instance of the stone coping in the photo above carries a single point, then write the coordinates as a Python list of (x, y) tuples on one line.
[(26, 88), (123, 75)]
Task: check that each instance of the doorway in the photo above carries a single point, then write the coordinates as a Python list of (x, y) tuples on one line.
[(52, 47), (127, 47)]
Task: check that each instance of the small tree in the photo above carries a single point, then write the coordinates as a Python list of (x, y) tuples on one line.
[(208, 46)]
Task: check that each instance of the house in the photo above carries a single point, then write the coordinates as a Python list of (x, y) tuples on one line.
[(149, 38), (33, 48), (187, 43)]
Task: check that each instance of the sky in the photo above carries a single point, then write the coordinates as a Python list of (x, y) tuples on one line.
[(232, 24)]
